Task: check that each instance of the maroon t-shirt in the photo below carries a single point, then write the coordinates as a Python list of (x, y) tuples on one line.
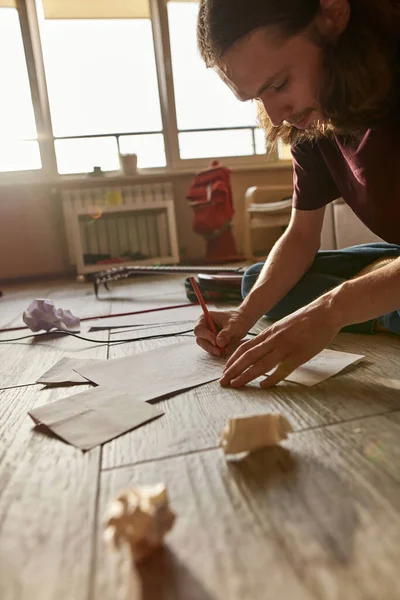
[(366, 174)]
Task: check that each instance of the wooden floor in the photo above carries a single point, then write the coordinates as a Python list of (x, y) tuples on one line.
[(315, 519)]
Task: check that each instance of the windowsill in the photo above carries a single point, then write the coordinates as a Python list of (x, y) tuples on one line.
[(23, 178)]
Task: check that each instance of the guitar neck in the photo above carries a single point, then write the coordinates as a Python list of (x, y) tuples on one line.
[(143, 269), (117, 273)]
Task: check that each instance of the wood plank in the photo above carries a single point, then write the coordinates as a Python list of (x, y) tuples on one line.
[(209, 548), (48, 489), (25, 360), (382, 353), (124, 294), (318, 518), (193, 420), (65, 293), (48, 496), (80, 299), (127, 292), (17, 297), (132, 295)]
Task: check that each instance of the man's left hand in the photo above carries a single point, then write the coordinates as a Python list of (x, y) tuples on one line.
[(284, 346)]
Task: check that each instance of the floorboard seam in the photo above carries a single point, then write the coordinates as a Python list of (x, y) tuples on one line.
[(209, 448), (93, 561)]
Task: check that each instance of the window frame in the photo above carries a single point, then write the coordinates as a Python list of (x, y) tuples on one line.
[(162, 48), (174, 163)]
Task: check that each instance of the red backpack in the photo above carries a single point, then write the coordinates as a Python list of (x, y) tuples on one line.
[(210, 196)]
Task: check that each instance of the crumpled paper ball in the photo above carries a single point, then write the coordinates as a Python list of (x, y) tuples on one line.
[(42, 314)]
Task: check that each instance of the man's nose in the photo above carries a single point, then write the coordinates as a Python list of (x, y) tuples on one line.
[(276, 111)]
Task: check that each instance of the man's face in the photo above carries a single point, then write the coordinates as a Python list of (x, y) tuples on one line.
[(282, 74)]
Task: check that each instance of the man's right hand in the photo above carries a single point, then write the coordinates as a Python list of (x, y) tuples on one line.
[(232, 327)]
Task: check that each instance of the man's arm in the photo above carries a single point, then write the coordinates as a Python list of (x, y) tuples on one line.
[(290, 258), (301, 335), (366, 297)]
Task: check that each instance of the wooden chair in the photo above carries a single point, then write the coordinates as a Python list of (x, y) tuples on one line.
[(265, 207)]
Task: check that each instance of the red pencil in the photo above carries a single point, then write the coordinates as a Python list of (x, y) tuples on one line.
[(207, 315)]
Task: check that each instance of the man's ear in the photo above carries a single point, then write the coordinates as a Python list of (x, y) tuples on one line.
[(334, 17)]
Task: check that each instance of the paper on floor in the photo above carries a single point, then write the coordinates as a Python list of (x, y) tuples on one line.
[(63, 371), (157, 373), (93, 417), (172, 315), (326, 364)]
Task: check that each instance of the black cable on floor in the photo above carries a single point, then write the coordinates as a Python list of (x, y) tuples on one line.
[(80, 337)]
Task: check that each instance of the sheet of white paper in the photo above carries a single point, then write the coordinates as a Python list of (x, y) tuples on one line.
[(326, 364), (157, 373), (63, 371), (93, 417), (172, 315)]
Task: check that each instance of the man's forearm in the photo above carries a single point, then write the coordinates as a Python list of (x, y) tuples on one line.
[(287, 262), (366, 297)]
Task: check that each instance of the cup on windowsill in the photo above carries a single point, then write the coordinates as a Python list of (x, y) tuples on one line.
[(96, 172), (128, 163)]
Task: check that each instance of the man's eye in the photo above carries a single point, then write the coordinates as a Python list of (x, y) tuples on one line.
[(281, 86)]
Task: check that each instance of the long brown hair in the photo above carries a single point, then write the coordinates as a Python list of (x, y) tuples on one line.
[(360, 71)]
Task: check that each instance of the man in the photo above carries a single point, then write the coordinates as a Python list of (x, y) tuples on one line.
[(326, 74)]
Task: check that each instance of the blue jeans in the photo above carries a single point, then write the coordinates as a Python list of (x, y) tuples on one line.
[(329, 269)]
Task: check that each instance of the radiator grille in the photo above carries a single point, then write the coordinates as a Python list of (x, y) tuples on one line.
[(135, 224)]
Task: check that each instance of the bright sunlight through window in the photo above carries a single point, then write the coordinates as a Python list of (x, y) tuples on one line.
[(203, 101), (19, 149), (101, 78)]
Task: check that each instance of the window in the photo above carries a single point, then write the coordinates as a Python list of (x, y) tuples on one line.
[(203, 102), (19, 149), (101, 69), (102, 81), (284, 152)]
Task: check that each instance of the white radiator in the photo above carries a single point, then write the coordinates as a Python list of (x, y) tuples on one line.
[(134, 224)]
